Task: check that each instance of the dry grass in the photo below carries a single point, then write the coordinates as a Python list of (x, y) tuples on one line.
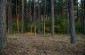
[(24, 44)]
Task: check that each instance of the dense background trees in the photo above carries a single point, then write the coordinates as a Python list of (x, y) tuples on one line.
[(36, 16)]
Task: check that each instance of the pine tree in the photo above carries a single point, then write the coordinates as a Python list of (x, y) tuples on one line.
[(22, 28), (84, 15), (34, 17), (44, 16), (30, 14), (71, 20), (2, 24), (52, 16), (17, 18), (9, 16), (77, 9), (39, 16), (62, 13)]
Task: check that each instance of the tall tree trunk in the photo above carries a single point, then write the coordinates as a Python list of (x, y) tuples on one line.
[(44, 16), (42, 23), (71, 20), (22, 28), (52, 13), (34, 17), (30, 16), (39, 16), (62, 13), (2, 24), (9, 16), (17, 18), (77, 10), (84, 16)]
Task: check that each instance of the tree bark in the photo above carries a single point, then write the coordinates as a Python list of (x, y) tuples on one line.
[(39, 16), (34, 17), (62, 13), (2, 24), (84, 16), (22, 28), (30, 15), (17, 18), (77, 9), (71, 20), (52, 13), (9, 16), (44, 17)]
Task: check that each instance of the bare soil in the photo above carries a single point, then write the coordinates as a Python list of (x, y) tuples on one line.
[(24, 44)]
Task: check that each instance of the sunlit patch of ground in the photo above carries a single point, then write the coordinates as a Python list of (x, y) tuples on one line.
[(29, 33), (24, 44)]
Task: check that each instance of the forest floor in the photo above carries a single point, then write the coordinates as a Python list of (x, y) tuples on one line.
[(24, 44)]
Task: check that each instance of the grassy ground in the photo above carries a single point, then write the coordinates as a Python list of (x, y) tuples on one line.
[(24, 44)]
